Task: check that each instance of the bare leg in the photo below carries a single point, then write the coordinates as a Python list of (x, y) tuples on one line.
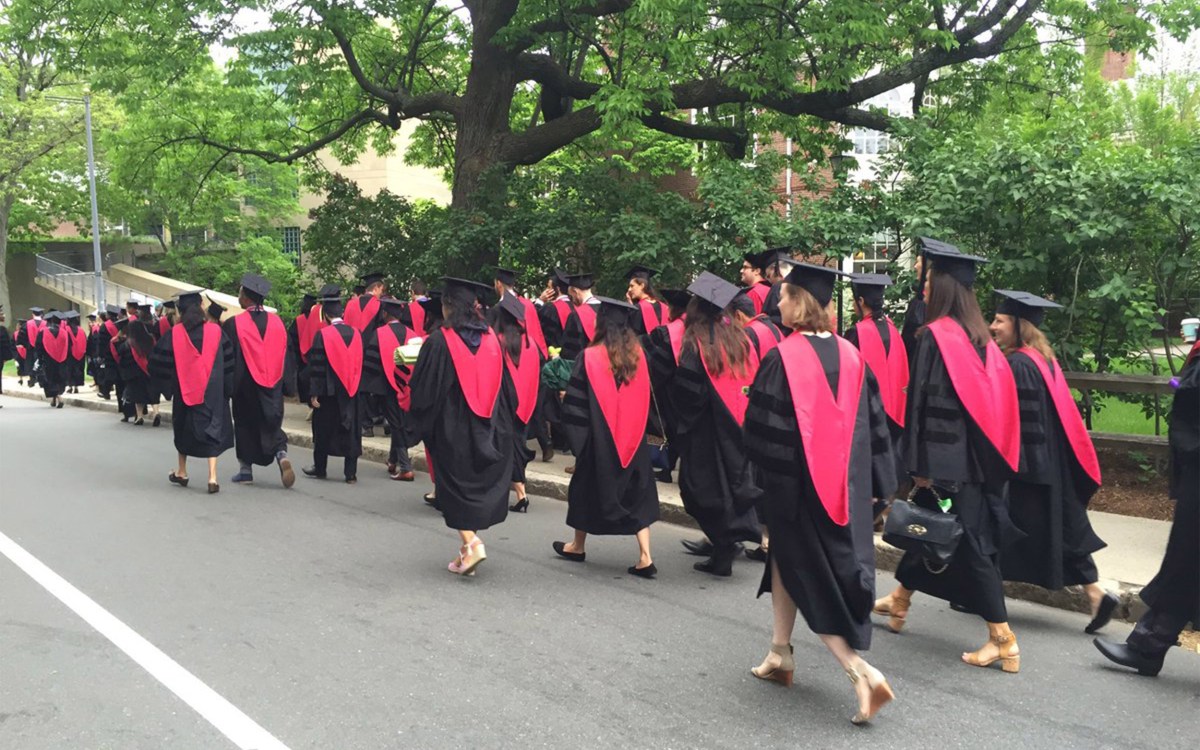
[(643, 540), (212, 470), (783, 609), (519, 488), (182, 472), (138, 411), (869, 683), (1095, 594), (581, 539), (466, 536)]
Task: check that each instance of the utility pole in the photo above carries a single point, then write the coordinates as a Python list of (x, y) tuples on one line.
[(91, 156)]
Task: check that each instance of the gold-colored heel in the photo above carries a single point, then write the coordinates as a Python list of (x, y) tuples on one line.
[(782, 672), (895, 608), (881, 693), (1007, 652)]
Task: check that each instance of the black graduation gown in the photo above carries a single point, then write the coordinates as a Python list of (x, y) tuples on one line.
[(206, 429), (403, 436), (51, 375), (660, 358), (107, 373), (914, 319), (771, 306), (138, 388), (716, 480), (257, 411), (896, 431), (25, 366), (552, 329), (1047, 499), (298, 365), (75, 366), (574, 338), (1175, 589), (472, 456), (943, 443), (604, 497), (827, 569), (336, 426), (7, 349)]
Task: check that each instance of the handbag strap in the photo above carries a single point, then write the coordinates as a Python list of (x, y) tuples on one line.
[(662, 425)]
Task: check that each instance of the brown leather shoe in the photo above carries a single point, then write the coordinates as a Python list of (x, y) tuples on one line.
[(403, 476)]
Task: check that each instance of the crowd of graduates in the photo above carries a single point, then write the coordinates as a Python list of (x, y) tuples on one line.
[(790, 444)]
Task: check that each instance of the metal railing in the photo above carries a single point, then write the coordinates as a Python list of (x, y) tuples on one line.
[(81, 285)]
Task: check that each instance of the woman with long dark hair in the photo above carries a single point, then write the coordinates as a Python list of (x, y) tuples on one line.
[(135, 352), (1059, 471), (53, 355), (961, 446), (463, 404), (194, 366), (523, 361), (641, 292), (816, 428), (709, 397), (605, 412)]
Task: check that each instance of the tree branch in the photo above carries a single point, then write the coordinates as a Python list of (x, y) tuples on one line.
[(735, 139), (597, 9)]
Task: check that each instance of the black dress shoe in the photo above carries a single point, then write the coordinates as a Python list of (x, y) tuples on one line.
[(157, 420), (368, 432), (721, 562), (547, 455), (351, 480), (521, 506), (758, 554), (663, 475), (647, 572), (1104, 613), (1120, 653), (701, 547), (561, 549), (311, 471)]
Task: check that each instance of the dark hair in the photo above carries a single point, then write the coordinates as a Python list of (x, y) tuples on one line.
[(360, 289), (723, 346), (624, 349), (140, 335), (192, 316), (331, 310), (511, 336), (254, 297), (648, 288), (743, 304), (306, 306), (417, 286), (948, 298), (460, 307), (558, 284)]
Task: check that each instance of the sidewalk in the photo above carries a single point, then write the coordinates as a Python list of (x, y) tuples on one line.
[(1135, 548)]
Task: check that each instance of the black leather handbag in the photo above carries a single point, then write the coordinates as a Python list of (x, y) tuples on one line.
[(932, 534)]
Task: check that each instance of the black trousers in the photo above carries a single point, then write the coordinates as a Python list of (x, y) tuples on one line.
[(398, 448), (350, 464), (1156, 631)]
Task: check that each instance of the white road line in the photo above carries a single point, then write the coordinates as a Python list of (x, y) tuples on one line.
[(237, 726)]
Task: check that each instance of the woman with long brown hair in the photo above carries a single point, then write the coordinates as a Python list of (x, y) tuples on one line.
[(641, 292), (523, 361), (961, 446), (463, 406), (605, 411), (816, 429), (1059, 471), (709, 396)]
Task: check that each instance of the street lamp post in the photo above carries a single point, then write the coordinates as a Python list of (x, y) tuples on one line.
[(97, 264)]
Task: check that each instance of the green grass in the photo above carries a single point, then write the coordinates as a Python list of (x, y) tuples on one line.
[(1121, 417)]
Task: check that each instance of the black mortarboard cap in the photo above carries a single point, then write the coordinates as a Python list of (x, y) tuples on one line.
[(215, 310), (561, 277), (955, 263), (121, 323), (581, 280), (480, 290), (615, 310), (714, 290), (766, 258), (816, 280), (169, 304), (870, 286), (432, 303), (925, 244), (512, 306), (188, 299), (506, 276), (329, 290), (374, 277), (677, 298), (131, 302), (36, 310), (1025, 305), (112, 310), (392, 306), (640, 272), (256, 284), (147, 307), (70, 314)]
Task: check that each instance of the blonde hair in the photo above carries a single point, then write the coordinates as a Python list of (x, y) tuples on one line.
[(1033, 337), (810, 315)]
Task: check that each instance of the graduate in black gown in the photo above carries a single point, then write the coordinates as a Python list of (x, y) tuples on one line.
[(363, 313), (816, 428), (523, 360), (663, 347), (193, 366), (463, 403), (335, 366), (580, 327), (653, 311), (708, 396), (1059, 471), (554, 308), (505, 285), (773, 262), (430, 305), (914, 315), (962, 443), (392, 380), (605, 413), (136, 347), (7, 348), (53, 358), (108, 376), (263, 374), (1173, 595), (78, 351), (27, 337), (298, 332)]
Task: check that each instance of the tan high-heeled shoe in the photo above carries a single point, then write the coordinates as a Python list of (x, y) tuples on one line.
[(881, 692), (782, 672), (469, 557), (895, 607), (1007, 652)]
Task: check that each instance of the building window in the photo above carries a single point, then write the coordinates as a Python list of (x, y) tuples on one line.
[(875, 257), (870, 142), (290, 237)]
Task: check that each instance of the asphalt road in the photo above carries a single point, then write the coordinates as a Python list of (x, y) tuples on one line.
[(326, 615)]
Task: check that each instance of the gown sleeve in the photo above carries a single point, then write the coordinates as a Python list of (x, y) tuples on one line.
[(770, 425), (429, 383), (689, 392), (883, 458), (1037, 466), (575, 408), (162, 367)]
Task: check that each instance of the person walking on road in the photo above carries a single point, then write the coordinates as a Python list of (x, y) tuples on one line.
[(392, 380), (1059, 471), (263, 374), (605, 412), (335, 365), (194, 366), (1173, 595), (53, 358), (463, 403), (816, 428), (523, 360), (962, 443)]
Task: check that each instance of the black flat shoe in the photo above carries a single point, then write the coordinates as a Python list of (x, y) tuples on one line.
[(351, 480), (758, 554), (213, 488), (157, 420), (701, 547), (561, 549), (139, 422), (311, 471), (663, 475), (647, 572), (1104, 613), (720, 564), (547, 455), (521, 506), (60, 404), (1120, 653), (181, 481), (124, 419)]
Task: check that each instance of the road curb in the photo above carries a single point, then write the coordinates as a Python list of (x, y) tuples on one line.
[(887, 557)]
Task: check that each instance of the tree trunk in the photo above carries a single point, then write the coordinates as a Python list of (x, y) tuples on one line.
[(6, 205)]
